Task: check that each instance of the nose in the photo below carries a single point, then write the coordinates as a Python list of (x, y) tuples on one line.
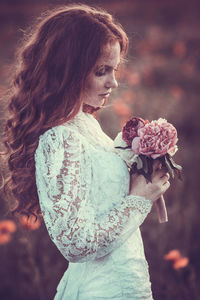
[(111, 82)]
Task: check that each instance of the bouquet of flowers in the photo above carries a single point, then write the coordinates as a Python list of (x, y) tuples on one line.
[(141, 142)]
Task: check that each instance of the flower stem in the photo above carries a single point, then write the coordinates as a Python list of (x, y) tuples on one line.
[(161, 210)]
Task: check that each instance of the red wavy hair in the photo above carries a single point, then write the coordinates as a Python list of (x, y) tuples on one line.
[(48, 88)]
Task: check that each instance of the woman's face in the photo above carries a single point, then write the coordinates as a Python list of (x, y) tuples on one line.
[(102, 79)]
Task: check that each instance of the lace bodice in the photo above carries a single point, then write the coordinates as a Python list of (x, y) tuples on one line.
[(83, 188)]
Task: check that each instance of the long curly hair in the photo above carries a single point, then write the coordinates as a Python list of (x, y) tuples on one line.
[(48, 87)]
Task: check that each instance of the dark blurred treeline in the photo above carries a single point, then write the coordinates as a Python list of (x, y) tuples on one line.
[(159, 79)]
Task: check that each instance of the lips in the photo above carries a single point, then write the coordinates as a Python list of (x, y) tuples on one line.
[(105, 95)]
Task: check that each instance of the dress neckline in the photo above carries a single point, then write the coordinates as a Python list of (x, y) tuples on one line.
[(84, 116), (89, 127)]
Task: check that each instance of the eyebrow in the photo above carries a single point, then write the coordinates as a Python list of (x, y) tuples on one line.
[(106, 66)]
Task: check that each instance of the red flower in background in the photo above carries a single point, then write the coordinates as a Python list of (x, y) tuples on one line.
[(181, 263), (173, 255), (121, 108), (7, 228), (178, 260), (30, 223)]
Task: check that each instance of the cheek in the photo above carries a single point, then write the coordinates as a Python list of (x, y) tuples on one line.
[(94, 85)]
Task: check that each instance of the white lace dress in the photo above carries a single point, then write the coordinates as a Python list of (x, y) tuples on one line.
[(83, 188)]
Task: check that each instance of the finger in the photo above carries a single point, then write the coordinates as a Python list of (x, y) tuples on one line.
[(164, 179), (158, 175), (165, 186), (165, 176), (161, 173)]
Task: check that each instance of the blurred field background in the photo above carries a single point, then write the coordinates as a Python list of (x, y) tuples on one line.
[(159, 79)]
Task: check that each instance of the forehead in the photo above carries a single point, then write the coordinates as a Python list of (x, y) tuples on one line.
[(110, 55)]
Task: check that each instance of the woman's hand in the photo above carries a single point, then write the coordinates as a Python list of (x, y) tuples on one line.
[(151, 190)]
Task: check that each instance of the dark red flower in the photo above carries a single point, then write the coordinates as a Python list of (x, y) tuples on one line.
[(130, 130)]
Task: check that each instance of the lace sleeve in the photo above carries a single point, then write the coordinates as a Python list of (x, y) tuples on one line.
[(63, 177)]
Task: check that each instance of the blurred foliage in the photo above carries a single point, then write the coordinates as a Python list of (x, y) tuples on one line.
[(160, 78)]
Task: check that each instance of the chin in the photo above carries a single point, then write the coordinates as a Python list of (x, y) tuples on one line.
[(91, 108), (104, 102)]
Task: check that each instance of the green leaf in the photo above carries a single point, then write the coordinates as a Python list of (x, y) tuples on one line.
[(134, 169), (162, 160), (150, 165), (145, 165), (148, 177), (170, 169), (176, 166), (139, 163)]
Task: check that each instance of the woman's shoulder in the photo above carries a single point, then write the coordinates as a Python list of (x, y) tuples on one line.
[(59, 132), (58, 138)]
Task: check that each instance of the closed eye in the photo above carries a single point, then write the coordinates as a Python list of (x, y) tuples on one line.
[(106, 69), (100, 72)]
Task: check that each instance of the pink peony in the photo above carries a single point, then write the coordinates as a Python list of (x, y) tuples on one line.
[(156, 139), (130, 130)]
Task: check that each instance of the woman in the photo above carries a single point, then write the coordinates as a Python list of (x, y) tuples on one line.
[(61, 157)]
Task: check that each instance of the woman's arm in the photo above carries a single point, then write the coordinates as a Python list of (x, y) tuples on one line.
[(63, 176)]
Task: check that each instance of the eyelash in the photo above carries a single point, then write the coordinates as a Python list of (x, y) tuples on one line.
[(102, 73)]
